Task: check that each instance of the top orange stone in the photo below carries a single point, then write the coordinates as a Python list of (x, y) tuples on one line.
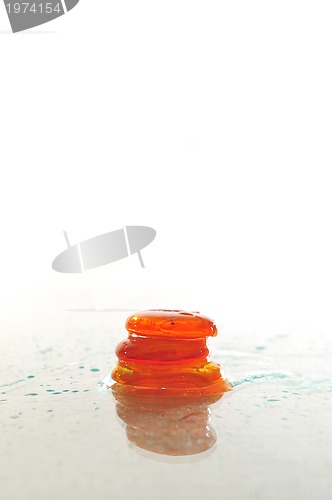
[(171, 324)]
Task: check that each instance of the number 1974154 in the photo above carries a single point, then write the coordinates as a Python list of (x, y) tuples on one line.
[(34, 8)]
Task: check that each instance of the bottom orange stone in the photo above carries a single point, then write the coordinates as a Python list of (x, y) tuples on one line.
[(166, 352)]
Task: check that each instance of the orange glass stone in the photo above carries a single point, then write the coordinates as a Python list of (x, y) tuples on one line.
[(166, 352)]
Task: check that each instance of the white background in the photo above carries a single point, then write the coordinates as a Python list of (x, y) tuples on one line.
[(209, 121)]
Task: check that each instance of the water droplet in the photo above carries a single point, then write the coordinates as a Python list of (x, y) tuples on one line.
[(256, 376)]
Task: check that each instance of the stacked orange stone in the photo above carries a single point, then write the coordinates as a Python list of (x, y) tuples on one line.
[(166, 351)]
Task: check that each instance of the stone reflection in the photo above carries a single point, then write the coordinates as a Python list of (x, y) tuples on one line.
[(168, 425)]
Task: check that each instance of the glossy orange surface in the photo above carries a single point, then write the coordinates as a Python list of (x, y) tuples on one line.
[(171, 324), (166, 351)]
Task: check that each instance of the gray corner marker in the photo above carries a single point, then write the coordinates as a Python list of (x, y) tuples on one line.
[(104, 249), (25, 14), (70, 4)]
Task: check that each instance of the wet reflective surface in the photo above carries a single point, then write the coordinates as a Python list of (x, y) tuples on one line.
[(168, 425), (64, 436)]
